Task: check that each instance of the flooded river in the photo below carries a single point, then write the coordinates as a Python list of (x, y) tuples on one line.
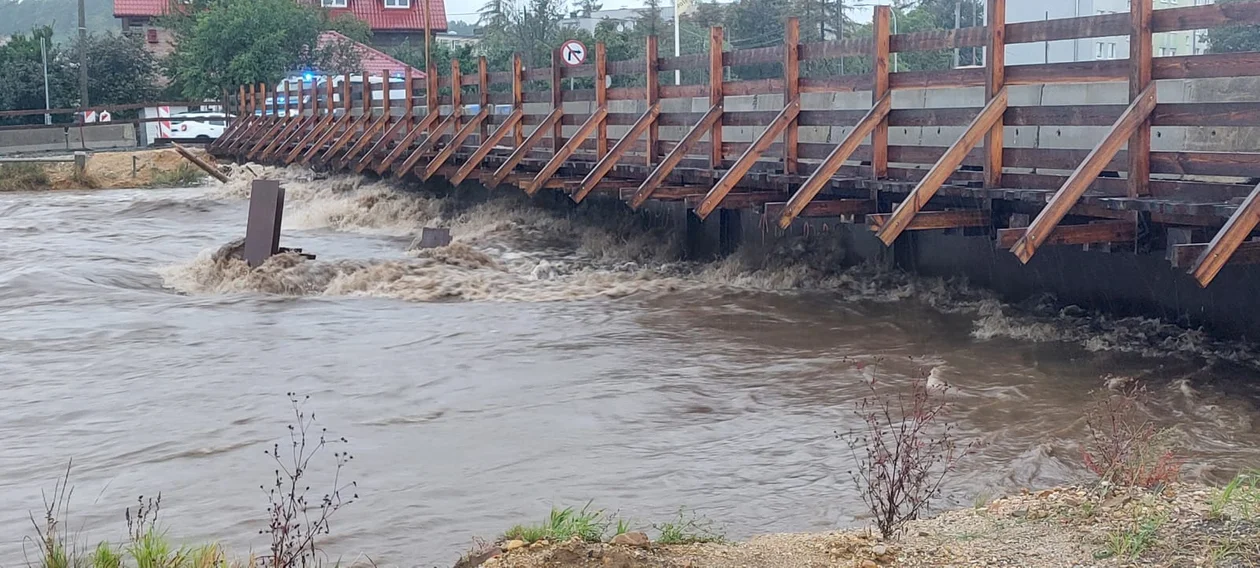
[(542, 359)]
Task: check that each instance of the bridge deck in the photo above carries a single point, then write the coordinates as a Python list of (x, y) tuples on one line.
[(611, 127)]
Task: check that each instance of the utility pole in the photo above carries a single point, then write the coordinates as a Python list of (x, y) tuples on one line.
[(83, 78), (43, 51)]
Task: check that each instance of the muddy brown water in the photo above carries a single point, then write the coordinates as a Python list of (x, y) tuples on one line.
[(544, 359)]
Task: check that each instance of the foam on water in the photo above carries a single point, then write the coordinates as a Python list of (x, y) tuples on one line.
[(510, 248)]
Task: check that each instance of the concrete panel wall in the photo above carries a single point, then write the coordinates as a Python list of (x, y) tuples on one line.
[(97, 137)]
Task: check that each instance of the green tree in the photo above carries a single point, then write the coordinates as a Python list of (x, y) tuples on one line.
[(220, 44), (588, 7), (22, 76), (120, 70), (1233, 38)]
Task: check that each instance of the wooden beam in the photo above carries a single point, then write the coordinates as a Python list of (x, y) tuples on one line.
[(382, 144), (483, 95), (1140, 53), (583, 132), (927, 220), (457, 96), (994, 82), (944, 167), (791, 91), (825, 208), (326, 136), (351, 134), (653, 88), (456, 141), (601, 99), (822, 175), (662, 170), (1185, 256), (427, 144), (1084, 175), (879, 92), (321, 126), (534, 138), (738, 199), (404, 145), (750, 156), (241, 121), (518, 98), (715, 97), (1227, 240), (510, 125), (606, 164), (1094, 232)]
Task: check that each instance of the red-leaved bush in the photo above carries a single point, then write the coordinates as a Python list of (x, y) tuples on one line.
[(903, 454), (1124, 447)]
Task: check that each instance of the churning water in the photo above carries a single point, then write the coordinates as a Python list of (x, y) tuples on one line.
[(545, 357)]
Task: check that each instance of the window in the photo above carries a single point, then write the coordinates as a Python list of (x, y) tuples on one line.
[(1167, 51), (397, 3), (333, 3), (150, 35)]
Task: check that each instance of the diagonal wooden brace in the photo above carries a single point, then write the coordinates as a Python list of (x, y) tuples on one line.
[(567, 150), (457, 141), (1084, 175), (746, 161), (1227, 240), (606, 164), (487, 145), (943, 168), (538, 135), (404, 145), (426, 145), (817, 180), (662, 170)]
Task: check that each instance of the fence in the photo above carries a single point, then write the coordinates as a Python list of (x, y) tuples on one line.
[(1113, 191)]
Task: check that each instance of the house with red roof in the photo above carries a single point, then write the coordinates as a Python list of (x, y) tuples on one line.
[(391, 21)]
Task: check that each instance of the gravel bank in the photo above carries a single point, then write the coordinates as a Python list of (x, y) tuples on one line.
[(1072, 526)]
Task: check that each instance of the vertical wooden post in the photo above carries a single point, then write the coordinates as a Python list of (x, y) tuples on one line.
[(260, 99), (483, 97), (367, 94), (715, 98), (653, 96), (879, 70), (248, 102), (409, 95), (994, 80), (346, 103), (1140, 52), (288, 98), (791, 90), (457, 94), (601, 99), (328, 96), (518, 99), (314, 101), (385, 95), (301, 94), (557, 101)]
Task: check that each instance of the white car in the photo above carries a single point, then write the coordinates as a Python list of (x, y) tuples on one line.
[(198, 126)]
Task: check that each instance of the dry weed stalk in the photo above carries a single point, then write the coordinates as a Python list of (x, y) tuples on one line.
[(1124, 447)]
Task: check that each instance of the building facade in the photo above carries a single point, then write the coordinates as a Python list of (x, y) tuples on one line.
[(1188, 42), (391, 21)]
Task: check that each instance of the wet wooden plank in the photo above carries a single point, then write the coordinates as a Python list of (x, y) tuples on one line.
[(474, 161), (566, 150), (1096, 232), (825, 208), (524, 147), (662, 170), (1226, 242), (927, 220), (619, 150), (732, 176), (1184, 256), (458, 139)]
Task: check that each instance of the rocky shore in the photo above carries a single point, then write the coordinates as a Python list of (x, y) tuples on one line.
[(1177, 525)]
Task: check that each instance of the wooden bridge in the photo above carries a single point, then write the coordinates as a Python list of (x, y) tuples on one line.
[(1119, 192)]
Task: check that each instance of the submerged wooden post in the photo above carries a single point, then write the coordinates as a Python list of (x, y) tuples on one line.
[(879, 76), (715, 99), (791, 90), (994, 82), (1140, 52)]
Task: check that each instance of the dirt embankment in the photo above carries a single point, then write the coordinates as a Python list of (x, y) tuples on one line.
[(1180, 525), (162, 167)]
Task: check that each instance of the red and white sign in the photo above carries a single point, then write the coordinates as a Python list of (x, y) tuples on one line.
[(164, 126), (104, 116), (573, 53)]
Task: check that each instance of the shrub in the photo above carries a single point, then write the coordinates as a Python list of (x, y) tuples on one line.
[(295, 521), (55, 548), (1124, 447), (183, 175), (104, 556), (903, 454)]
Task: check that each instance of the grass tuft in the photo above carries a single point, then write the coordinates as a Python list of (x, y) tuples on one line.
[(1241, 496), (688, 529), (23, 177), (566, 524), (184, 175), (105, 556), (1133, 541)]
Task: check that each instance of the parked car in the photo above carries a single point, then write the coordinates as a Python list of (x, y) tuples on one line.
[(198, 126)]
